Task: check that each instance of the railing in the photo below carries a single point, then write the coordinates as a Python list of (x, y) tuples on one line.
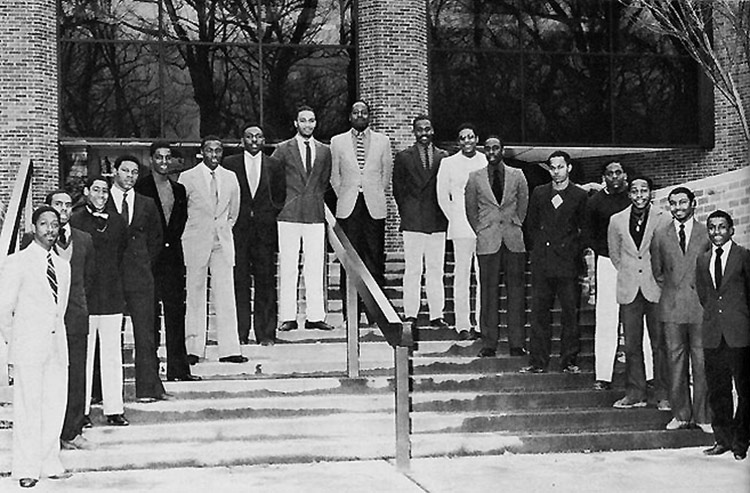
[(398, 334), (9, 235)]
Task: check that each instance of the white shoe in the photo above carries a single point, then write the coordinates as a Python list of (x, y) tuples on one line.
[(706, 427), (78, 443), (676, 424)]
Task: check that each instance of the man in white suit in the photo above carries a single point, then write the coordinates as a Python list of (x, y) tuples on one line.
[(361, 168), (34, 287), (213, 196)]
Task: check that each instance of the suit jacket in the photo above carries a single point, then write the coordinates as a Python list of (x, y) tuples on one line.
[(725, 311), (143, 245), (451, 184), (170, 258), (497, 224), (633, 264), (304, 201), (203, 222), (557, 234), (258, 213), (30, 319), (674, 272), (415, 191), (373, 179)]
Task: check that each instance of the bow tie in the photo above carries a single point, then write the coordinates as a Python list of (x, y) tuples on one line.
[(96, 213)]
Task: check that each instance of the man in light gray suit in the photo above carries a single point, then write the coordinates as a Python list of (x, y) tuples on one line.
[(497, 198), (213, 197)]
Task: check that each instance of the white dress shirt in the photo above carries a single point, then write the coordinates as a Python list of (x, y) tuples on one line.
[(303, 149), (688, 229), (252, 169), (724, 255), (117, 194)]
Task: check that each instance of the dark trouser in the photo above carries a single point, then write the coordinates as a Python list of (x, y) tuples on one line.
[(544, 289), (491, 266), (74, 412), (632, 322), (722, 365), (170, 290), (685, 352), (255, 265), (367, 236), (140, 306)]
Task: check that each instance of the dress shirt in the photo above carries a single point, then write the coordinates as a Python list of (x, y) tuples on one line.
[(688, 229), (207, 176), (252, 169), (166, 197), (302, 149), (638, 228), (451, 184), (366, 134), (724, 256), (67, 251), (117, 194)]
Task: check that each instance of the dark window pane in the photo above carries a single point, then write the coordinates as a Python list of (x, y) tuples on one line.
[(117, 20), (566, 25), (634, 35), (466, 24)]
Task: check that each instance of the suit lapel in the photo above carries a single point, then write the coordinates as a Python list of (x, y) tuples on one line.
[(730, 267), (486, 187)]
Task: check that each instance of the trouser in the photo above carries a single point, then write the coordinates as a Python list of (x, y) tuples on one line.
[(491, 267), (107, 328), (544, 289), (684, 353), (311, 239), (464, 255), (169, 289), (140, 306), (430, 249), (255, 265), (76, 405), (632, 320)]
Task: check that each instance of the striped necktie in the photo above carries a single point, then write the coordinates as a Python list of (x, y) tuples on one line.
[(361, 150), (51, 276)]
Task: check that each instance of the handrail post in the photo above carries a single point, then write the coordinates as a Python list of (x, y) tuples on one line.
[(352, 328), (403, 399)]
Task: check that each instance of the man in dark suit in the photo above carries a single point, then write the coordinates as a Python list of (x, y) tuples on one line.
[(556, 223), (262, 192), (423, 223), (144, 244), (307, 171), (674, 251), (169, 268), (497, 198), (723, 283)]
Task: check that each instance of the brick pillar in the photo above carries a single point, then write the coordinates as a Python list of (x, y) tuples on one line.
[(393, 75), (28, 93)]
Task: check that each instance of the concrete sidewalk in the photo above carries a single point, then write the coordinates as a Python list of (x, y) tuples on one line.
[(683, 470)]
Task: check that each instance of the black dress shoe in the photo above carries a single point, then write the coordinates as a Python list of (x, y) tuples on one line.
[(27, 482), (717, 449), (475, 335), (320, 325), (411, 320), (288, 325), (185, 378), (87, 422), (237, 358), (117, 420), (192, 359), (244, 342), (267, 342), (486, 352), (740, 455), (464, 335), (439, 323), (518, 351)]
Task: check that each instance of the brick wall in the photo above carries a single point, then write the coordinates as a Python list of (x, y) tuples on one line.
[(28, 93)]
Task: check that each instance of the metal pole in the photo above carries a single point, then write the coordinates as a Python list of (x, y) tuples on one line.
[(403, 407), (352, 328)]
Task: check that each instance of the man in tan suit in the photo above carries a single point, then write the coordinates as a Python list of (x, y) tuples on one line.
[(361, 168), (497, 197)]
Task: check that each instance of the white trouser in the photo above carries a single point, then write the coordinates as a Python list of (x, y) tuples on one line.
[(196, 317), (39, 397), (464, 253), (607, 323), (311, 239), (107, 327), (430, 248)]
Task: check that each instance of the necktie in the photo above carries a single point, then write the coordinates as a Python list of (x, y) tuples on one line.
[(717, 267), (62, 238), (51, 276), (681, 234), (428, 152), (253, 176), (308, 157), (497, 185), (125, 209), (214, 189), (361, 150)]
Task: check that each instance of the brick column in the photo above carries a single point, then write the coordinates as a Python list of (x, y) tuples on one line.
[(393, 75), (28, 93)]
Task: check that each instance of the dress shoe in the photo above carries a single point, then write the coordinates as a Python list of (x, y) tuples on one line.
[(146, 400), (185, 378), (628, 403), (663, 405), (740, 455), (532, 369), (288, 325), (27, 482), (486, 352), (192, 359), (411, 320), (464, 335), (267, 342), (62, 475), (439, 323), (319, 325), (602, 385), (717, 449), (572, 369), (244, 342), (117, 420), (705, 427), (475, 335), (87, 422), (676, 424), (237, 358), (518, 351), (166, 396), (78, 443)]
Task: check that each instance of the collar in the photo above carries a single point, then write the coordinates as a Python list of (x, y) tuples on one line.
[(724, 249), (96, 213), (301, 140), (250, 156), (357, 133)]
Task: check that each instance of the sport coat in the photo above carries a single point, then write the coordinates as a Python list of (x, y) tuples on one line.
[(497, 224), (674, 272), (415, 191), (347, 179), (30, 319), (633, 264), (726, 311), (304, 201), (204, 223)]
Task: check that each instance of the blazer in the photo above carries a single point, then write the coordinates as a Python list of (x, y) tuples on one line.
[(204, 224), (725, 311), (30, 319), (304, 201), (497, 224), (415, 191), (557, 234), (674, 272), (633, 264), (258, 213), (144, 242), (170, 258), (347, 179)]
